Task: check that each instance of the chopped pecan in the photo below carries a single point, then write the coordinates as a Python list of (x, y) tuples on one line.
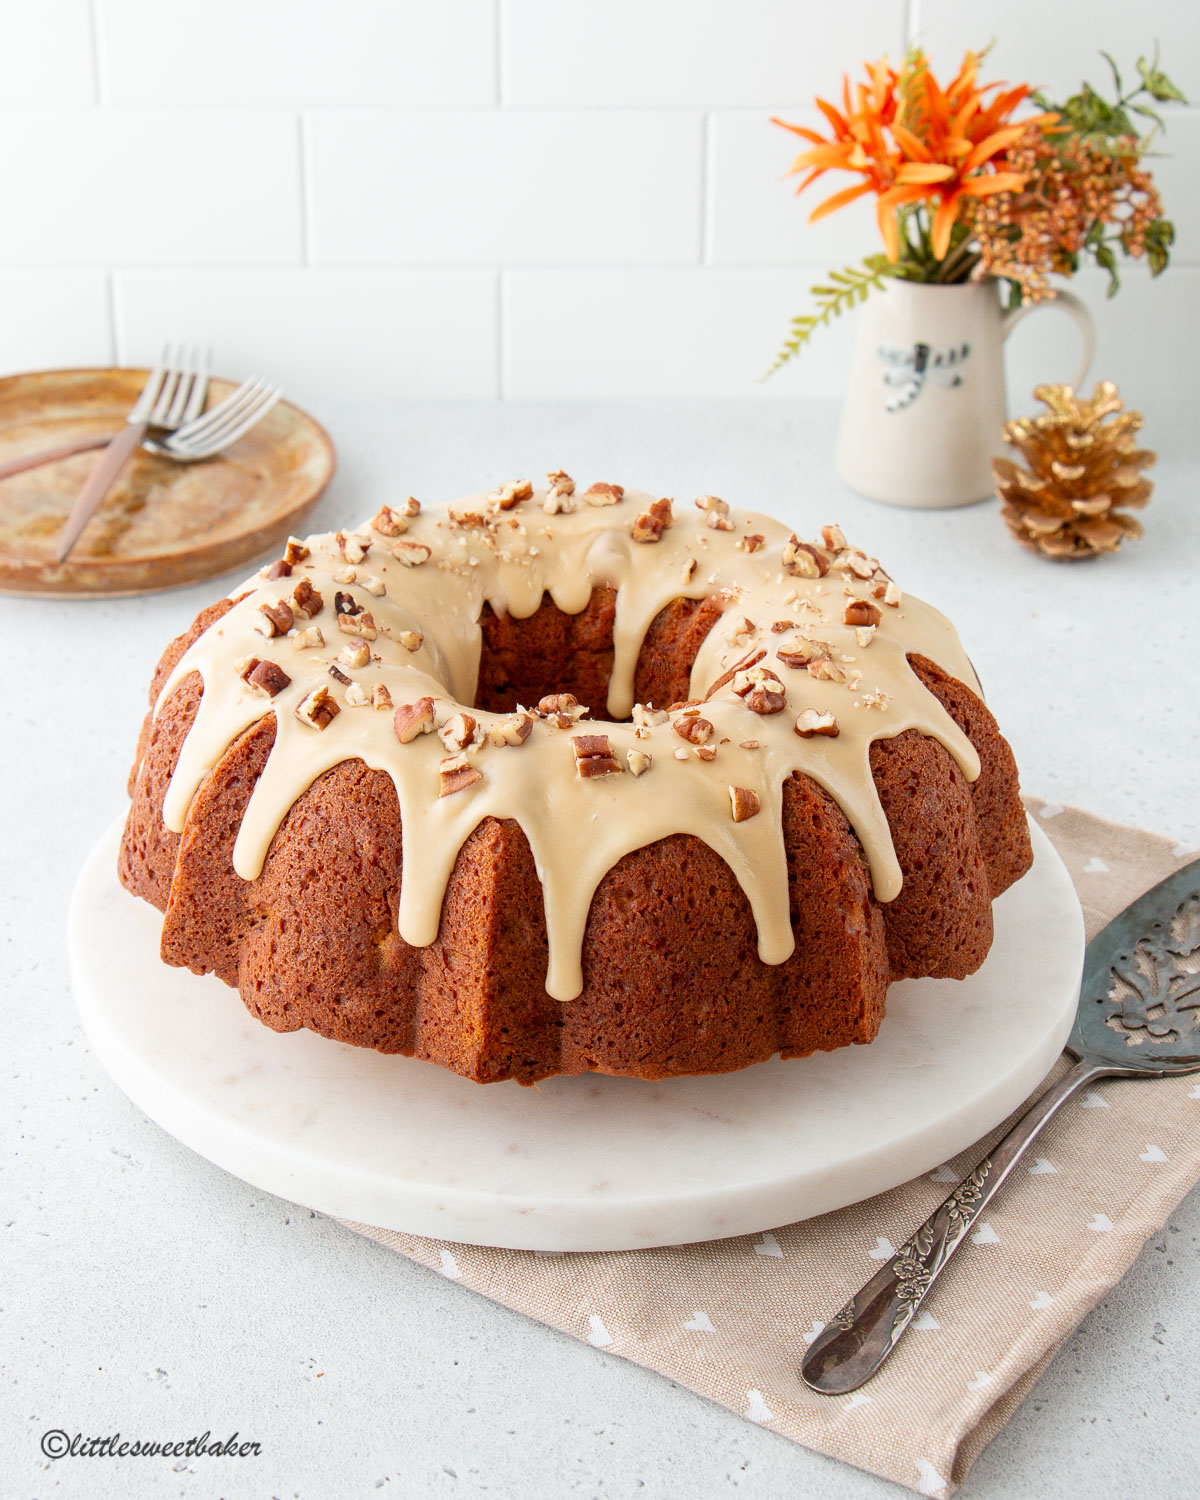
[(696, 731), (361, 624), (739, 633), (456, 774), (355, 654), (274, 619), (876, 700), (681, 754), (889, 593), (560, 709), (864, 634), (381, 698), (356, 696), (267, 677), (716, 512), (412, 719), (353, 545), (751, 542), (373, 585), (510, 494), (752, 658), (561, 480), (412, 554), (560, 497), (646, 716), (603, 494), (705, 752), (743, 802), (854, 561), (803, 560), (639, 761), (345, 575), (650, 525), (780, 627), (458, 731), (280, 568), (513, 730), (295, 551), (412, 507), (826, 671), (305, 599), (338, 675), (810, 721), (760, 690), (411, 640), (802, 652), (833, 538), (862, 612), (388, 522), (593, 755), (318, 710), (306, 639), (346, 604), (748, 744)]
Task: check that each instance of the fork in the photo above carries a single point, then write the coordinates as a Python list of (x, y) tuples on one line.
[(173, 394)]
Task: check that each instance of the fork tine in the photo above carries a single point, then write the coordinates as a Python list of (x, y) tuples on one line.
[(184, 387), (149, 393), (201, 359), (250, 416), (231, 406), (158, 417)]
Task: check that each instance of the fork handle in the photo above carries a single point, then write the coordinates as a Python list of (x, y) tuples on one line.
[(98, 484), (52, 455), (858, 1339)]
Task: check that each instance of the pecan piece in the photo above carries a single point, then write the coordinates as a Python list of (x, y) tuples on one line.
[(802, 652), (810, 721), (510, 494), (560, 709), (381, 698), (593, 755), (295, 551), (458, 732), (412, 554), (743, 803), (361, 624), (833, 538), (356, 696), (411, 640), (274, 619), (353, 545), (716, 512), (267, 677), (305, 599), (696, 731), (338, 675), (826, 671), (306, 639), (456, 774), (346, 604), (751, 542), (646, 716), (412, 719), (318, 710), (280, 568), (803, 560), (650, 525), (862, 612), (355, 654), (388, 522), (639, 761), (603, 494), (513, 730)]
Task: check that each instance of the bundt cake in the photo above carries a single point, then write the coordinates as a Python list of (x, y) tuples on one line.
[(379, 793)]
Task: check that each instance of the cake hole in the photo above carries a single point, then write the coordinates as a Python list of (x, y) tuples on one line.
[(550, 651)]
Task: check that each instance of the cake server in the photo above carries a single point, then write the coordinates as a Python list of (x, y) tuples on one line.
[(1138, 1017)]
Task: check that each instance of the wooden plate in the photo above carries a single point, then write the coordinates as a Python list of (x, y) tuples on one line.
[(163, 524)]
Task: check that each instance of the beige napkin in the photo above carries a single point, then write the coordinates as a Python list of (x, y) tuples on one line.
[(730, 1318)]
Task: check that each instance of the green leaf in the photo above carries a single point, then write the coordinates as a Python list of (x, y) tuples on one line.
[(1116, 72), (851, 286), (1157, 84), (1107, 261)]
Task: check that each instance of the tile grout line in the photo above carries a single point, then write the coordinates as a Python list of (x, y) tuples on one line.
[(706, 195), (117, 352), (97, 74), (501, 31), (302, 148), (502, 322)]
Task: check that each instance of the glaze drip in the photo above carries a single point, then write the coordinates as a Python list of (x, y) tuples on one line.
[(577, 828)]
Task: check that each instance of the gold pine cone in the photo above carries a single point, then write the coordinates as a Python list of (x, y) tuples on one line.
[(1083, 465)]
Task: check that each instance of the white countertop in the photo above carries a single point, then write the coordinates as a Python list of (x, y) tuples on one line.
[(148, 1291)]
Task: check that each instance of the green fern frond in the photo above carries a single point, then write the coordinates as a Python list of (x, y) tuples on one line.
[(850, 287)]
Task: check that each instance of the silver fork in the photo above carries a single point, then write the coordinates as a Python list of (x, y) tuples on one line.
[(173, 394), (221, 427)]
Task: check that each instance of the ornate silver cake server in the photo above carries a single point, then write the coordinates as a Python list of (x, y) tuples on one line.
[(1138, 1017)]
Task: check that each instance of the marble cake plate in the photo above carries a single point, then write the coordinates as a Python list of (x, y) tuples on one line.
[(587, 1163)]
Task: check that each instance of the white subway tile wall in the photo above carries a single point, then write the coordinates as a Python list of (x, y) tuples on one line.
[(514, 198)]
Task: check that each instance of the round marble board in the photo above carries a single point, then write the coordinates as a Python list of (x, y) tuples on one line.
[(589, 1163)]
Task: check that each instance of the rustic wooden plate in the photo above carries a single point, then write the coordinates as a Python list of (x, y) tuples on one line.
[(162, 524)]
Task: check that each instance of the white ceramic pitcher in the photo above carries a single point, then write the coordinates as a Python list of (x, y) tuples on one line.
[(922, 416)]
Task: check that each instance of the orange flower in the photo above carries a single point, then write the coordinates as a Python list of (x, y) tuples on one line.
[(913, 141)]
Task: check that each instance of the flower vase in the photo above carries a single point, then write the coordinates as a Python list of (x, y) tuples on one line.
[(923, 411)]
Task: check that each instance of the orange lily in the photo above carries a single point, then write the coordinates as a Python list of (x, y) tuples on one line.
[(913, 141)]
